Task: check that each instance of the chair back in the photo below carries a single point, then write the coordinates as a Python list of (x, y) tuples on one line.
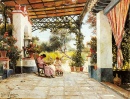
[(35, 58)]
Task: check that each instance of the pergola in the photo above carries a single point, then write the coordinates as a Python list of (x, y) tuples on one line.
[(44, 13), (53, 13)]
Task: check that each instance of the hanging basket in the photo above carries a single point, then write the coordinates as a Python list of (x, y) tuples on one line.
[(3, 54)]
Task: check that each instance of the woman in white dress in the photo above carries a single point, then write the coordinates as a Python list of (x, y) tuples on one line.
[(58, 68)]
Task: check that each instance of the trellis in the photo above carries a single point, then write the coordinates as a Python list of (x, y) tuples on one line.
[(67, 22)]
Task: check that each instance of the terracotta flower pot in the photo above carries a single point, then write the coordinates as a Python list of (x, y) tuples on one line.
[(72, 68), (77, 69), (3, 54), (81, 69)]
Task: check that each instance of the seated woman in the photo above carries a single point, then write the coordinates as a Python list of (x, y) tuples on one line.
[(57, 64), (48, 71)]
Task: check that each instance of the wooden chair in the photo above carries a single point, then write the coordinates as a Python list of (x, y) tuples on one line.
[(38, 68)]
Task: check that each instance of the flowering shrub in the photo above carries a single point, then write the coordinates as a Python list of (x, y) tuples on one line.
[(32, 48), (93, 50), (4, 46), (11, 40), (7, 43)]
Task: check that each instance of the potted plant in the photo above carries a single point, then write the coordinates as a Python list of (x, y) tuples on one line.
[(72, 66), (93, 51), (78, 62), (4, 47), (7, 44)]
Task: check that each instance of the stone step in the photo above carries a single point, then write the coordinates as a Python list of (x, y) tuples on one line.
[(117, 89)]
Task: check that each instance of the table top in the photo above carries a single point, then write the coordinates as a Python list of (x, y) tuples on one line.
[(4, 59)]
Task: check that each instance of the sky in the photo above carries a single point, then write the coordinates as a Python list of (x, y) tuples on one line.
[(86, 31)]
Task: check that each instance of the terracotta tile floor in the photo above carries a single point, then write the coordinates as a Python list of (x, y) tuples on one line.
[(69, 86)]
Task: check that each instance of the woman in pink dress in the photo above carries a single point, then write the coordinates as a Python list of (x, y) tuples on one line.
[(48, 71)]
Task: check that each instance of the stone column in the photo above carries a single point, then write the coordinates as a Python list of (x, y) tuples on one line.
[(22, 26), (104, 49), (18, 32)]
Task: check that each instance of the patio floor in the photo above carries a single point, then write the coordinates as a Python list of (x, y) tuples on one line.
[(69, 86)]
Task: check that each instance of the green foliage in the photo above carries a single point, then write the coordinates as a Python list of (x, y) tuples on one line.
[(93, 50), (14, 54), (114, 51), (45, 47), (12, 51), (9, 28), (71, 63), (55, 42), (34, 39), (4, 46), (125, 45), (4, 43), (77, 60)]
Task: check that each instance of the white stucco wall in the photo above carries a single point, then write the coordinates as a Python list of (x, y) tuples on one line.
[(104, 42), (21, 26)]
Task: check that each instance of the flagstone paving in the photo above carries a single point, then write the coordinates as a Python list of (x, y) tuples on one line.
[(69, 86)]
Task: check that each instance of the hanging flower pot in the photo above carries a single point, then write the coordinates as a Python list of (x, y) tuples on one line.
[(3, 54)]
